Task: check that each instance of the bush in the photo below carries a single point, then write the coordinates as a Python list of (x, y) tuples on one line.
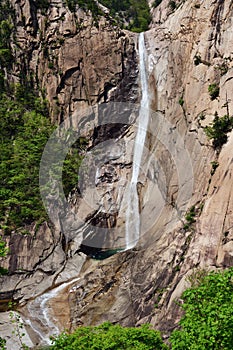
[(218, 130), (213, 91), (3, 252), (208, 319), (190, 218), (3, 249), (181, 101), (172, 5), (110, 337), (197, 60), (3, 344)]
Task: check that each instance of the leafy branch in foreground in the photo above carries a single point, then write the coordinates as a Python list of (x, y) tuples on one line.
[(110, 337), (207, 322)]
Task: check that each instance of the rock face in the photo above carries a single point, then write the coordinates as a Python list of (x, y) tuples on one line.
[(77, 60), (187, 51), (79, 65)]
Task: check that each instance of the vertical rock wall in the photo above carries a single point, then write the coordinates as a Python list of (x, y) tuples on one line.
[(188, 49)]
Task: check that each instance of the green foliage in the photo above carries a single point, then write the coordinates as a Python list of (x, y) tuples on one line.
[(218, 130), (222, 68), (50, 65), (3, 249), (172, 5), (3, 271), (24, 133), (214, 164), (197, 60), (110, 337), (134, 12), (156, 3), (2, 344), (3, 252), (71, 166), (213, 90), (84, 4), (181, 101), (190, 217), (42, 4), (208, 319), (6, 30)]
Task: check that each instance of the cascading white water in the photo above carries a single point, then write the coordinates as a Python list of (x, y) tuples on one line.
[(40, 319), (132, 233)]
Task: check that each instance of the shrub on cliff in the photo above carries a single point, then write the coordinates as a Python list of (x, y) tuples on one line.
[(218, 130), (207, 322), (110, 337)]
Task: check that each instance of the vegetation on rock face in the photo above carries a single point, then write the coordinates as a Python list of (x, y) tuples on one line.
[(172, 4), (208, 319), (133, 15), (218, 130), (24, 135), (3, 249), (3, 252), (213, 91), (110, 337), (2, 343), (190, 217), (6, 57), (156, 3), (43, 5), (89, 5), (25, 128)]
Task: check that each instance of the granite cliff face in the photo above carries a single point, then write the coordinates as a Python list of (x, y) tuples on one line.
[(154, 274), (80, 65)]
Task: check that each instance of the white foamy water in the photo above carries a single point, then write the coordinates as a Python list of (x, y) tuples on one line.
[(132, 233), (41, 319)]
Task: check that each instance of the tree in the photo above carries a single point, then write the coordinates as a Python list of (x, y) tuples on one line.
[(218, 130), (3, 253), (3, 249), (207, 322), (110, 337)]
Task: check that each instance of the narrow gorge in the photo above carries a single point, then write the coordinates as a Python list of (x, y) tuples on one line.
[(152, 201)]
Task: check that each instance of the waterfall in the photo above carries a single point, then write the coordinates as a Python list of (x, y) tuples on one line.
[(132, 233)]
